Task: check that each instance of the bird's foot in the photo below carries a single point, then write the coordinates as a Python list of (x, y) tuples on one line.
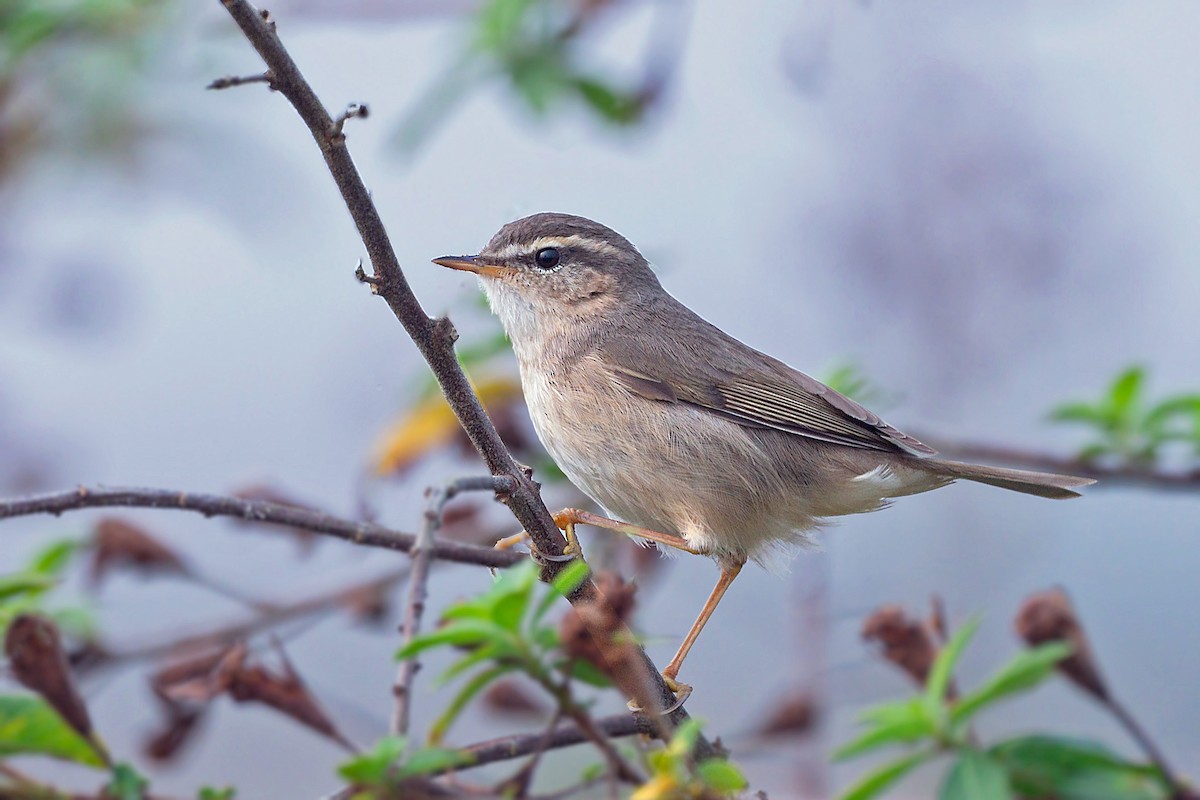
[(571, 551), (682, 692)]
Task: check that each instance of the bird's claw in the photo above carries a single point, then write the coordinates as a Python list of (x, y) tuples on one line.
[(682, 692)]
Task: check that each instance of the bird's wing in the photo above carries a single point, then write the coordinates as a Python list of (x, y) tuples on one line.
[(711, 370)]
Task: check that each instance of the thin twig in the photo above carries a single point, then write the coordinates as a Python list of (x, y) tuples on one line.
[(523, 744), (422, 554), (229, 81), (1105, 474), (1179, 790), (161, 645), (434, 338), (211, 505)]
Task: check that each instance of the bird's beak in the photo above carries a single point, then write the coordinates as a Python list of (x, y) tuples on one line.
[(473, 264)]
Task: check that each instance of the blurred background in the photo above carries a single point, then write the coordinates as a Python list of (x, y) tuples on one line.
[(987, 208)]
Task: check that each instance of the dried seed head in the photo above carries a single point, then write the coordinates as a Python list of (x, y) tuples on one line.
[(906, 642), (38, 662), (1048, 617)]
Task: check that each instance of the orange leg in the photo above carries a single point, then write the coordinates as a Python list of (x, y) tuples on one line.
[(710, 605), (574, 516)]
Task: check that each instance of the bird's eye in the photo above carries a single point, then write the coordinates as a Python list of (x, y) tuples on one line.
[(547, 258)]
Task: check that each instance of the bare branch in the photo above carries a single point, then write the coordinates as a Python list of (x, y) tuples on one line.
[(434, 338), (422, 553), (211, 505), (523, 744), (230, 81)]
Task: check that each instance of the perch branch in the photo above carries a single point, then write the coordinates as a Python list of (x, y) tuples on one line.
[(434, 338), (211, 505)]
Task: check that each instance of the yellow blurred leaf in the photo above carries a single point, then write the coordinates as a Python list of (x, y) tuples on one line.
[(431, 425)]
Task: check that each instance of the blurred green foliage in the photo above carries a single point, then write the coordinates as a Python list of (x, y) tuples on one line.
[(67, 71), (504, 631), (532, 47), (31, 588), (935, 724), (388, 763), (1129, 426)]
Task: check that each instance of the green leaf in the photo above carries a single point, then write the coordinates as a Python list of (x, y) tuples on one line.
[(54, 557), (1080, 412), (896, 712), (1075, 769), (614, 105), (721, 776), (1025, 671), (430, 760), (943, 666), (19, 583), (570, 577), (437, 731), (1184, 407), (882, 777), (493, 651), (510, 610), (126, 784), (912, 725), (213, 793), (975, 776), (29, 725), (463, 632), (587, 672), (1126, 390), (684, 738), (371, 768)]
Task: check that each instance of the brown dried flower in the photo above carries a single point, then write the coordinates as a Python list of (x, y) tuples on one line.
[(1048, 617), (907, 643)]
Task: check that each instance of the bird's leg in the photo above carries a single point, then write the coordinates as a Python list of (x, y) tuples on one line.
[(728, 573), (575, 516)]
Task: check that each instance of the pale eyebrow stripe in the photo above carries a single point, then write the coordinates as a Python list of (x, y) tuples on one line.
[(575, 240)]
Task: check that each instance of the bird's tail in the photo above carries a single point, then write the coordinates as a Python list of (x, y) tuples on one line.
[(1042, 484)]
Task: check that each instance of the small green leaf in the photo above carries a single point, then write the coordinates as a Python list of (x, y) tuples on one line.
[(29, 725), (882, 777), (570, 577), (895, 713), (437, 731), (1126, 390), (19, 583), (943, 666), (905, 730), (685, 738), (54, 557), (1025, 671), (1075, 769), (213, 793), (463, 632), (1080, 412), (975, 776), (614, 105), (510, 610), (126, 784), (492, 651), (371, 768), (587, 672), (429, 760), (721, 776)]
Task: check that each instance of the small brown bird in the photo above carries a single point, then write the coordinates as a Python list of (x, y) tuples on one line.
[(702, 442)]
